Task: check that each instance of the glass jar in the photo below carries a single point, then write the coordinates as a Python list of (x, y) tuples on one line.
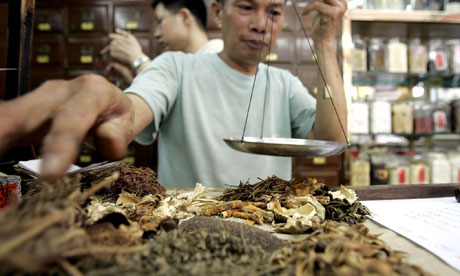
[(439, 167), (422, 118), (438, 57), (452, 6), (441, 117), (456, 116), (359, 118), (419, 170), (453, 46), (399, 170), (358, 55), (397, 56), (361, 170), (418, 56), (380, 117), (454, 159), (403, 118), (377, 55), (380, 174)]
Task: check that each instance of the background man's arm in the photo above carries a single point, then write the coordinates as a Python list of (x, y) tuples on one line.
[(326, 26)]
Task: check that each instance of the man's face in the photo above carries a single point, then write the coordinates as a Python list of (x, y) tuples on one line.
[(169, 29), (243, 25)]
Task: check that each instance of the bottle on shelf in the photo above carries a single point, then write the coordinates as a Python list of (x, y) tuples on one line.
[(418, 56), (419, 170), (399, 170), (403, 118), (439, 167), (380, 174), (441, 117), (438, 57), (423, 123), (360, 170), (380, 117), (453, 46), (397, 56), (358, 54), (377, 55)]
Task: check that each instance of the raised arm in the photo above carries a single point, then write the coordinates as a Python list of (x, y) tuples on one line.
[(327, 19), (62, 114)]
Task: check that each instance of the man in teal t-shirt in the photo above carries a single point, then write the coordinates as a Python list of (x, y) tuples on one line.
[(193, 102)]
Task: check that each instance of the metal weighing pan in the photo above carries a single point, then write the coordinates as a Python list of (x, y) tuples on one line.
[(286, 146)]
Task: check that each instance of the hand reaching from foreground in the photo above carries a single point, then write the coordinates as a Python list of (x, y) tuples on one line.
[(60, 115)]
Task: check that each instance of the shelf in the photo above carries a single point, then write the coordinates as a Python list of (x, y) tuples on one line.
[(403, 16), (405, 79)]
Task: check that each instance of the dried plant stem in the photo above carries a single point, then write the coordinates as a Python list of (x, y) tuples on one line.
[(105, 250), (70, 269), (44, 224)]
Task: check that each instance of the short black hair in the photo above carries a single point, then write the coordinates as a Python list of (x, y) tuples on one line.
[(196, 7)]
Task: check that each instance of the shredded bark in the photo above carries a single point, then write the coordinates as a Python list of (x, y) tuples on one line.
[(137, 181)]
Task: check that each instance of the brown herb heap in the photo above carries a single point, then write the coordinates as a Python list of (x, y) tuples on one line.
[(339, 249), (251, 235), (265, 190), (46, 228), (186, 253), (138, 181)]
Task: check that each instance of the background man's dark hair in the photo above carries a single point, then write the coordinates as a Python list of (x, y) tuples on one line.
[(196, 7)]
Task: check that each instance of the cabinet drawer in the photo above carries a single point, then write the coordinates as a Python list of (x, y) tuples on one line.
[(49, 20), (48, 51), (38, 76), (283, 51), (329, 162), (148, 43), (89, 19), (304, 53), (84, 52), (133, 18)]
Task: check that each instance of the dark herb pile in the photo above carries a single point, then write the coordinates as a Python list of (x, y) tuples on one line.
[(186, 253), (138, 181), (251, 235)]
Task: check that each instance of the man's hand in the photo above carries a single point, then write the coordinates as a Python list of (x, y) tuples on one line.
[(327, 20), (60, 114), (124, 47)]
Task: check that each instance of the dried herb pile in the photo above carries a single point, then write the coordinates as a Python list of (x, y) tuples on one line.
[(251, 235), (276, 188), (186, 253), (266, 190), (340, 249), (137, 181), (47, 228)]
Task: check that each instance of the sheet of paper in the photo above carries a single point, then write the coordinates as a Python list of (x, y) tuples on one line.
[(433, 223), (35, 165)]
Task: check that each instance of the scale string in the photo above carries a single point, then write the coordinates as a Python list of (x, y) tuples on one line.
[(315, 57), (255, 76), (268, 80), (268, 65)]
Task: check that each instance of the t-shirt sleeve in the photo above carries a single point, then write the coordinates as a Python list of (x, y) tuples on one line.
[(158, 85), (302, 108)]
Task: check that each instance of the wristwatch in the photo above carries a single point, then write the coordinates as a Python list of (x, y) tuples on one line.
[(136, 63)]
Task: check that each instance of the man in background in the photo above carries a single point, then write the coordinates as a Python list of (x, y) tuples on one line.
[(180, 25), (193, 101)]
